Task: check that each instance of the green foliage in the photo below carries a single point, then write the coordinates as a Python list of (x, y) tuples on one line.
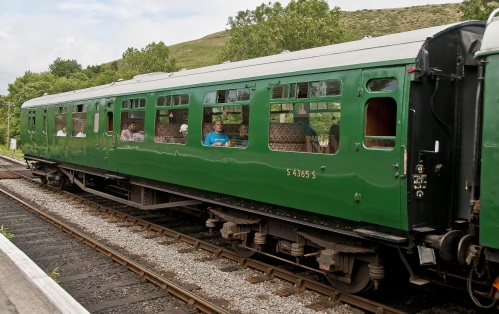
[(271, 29), (382, 22), (478, 9), (64, 68), (5, 233), (153, 58), (54, 274)]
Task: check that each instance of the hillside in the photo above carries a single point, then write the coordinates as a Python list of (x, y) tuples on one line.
[(205, 51)]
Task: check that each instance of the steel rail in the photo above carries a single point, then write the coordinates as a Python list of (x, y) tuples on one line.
[(301, 283), (168, 286)]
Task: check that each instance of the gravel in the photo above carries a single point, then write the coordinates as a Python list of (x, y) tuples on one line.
[(243, 297)]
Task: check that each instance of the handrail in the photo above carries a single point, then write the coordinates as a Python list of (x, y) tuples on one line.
[(492, 15)]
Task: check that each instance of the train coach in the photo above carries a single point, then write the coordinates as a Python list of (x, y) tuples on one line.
[(358, 155)]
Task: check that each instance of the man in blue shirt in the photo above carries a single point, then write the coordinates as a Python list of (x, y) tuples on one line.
[(216, 138)]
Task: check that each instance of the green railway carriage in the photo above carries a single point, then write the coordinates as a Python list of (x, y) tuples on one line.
[(351, 148)]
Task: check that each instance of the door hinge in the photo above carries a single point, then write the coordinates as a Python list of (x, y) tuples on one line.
[(360, 91), (357, 146), (357, 197)]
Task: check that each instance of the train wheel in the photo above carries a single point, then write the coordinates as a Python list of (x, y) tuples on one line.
[(61, 183), (242, 250), (43, 180), (360, 281)]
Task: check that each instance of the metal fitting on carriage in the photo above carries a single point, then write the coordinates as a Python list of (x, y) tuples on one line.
[(446, 244), (327, 259), (376, 272), (212, 222), (228, 230), (260, 238), (297, 249), (472, 250)]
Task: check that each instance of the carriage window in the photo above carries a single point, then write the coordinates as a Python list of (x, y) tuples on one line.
[(243, 94), (307, 90), (110, 123), (79, 121), (380, 123), (302, 90), (31, 120), (331, 88), (132, 126), (209, 98), (133, 103), (226, 126), (109, 117), (280, 92), (44, 120), (382, 84), (227, 96), (179, 100), (60, 120), (171, 125), (172, 100), (80, 108), (312, 127), (96, 122)]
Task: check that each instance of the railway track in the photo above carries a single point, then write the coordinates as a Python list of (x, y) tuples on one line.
[(325, 298), (92, 272)]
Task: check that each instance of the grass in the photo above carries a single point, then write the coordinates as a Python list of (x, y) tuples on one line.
[(201, 52), (54, 274), (8, 235), (18, 154), (205, 51)]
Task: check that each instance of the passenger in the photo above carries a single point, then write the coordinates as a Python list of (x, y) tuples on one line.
[(127, 134), (138, 136), (62, 132), (81, 133), (184, 131), (217, 138), (241, 140)]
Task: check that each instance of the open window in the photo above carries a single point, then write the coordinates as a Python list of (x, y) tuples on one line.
[(79, 120), (312, 127), (171, 119), (380, 123), (226, 118), (60, 121), (133, 119)]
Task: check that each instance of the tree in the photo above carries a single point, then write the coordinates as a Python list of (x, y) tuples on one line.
[(64, 68), (478, 9), (31, 85), (271, 29), (153, 58)]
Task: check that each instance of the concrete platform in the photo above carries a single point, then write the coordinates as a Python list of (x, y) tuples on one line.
[(26, 289)]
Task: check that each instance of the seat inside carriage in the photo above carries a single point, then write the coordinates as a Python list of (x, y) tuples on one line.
[(168, 133)]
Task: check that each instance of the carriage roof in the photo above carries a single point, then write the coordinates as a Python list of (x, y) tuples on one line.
[(390, 49)]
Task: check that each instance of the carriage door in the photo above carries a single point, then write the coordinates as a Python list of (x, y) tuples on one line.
[(380, 157), (110, 136)]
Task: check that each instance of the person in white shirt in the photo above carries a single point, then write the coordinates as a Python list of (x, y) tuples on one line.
[(81, 133), (62, 132)]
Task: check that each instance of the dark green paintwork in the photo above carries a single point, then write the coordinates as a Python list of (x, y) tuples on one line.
[(489, 200), (257, 172)]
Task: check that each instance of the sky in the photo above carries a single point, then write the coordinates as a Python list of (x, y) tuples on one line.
[(35, 33)]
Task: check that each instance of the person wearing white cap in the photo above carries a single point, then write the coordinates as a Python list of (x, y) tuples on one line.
[(183, 130)]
